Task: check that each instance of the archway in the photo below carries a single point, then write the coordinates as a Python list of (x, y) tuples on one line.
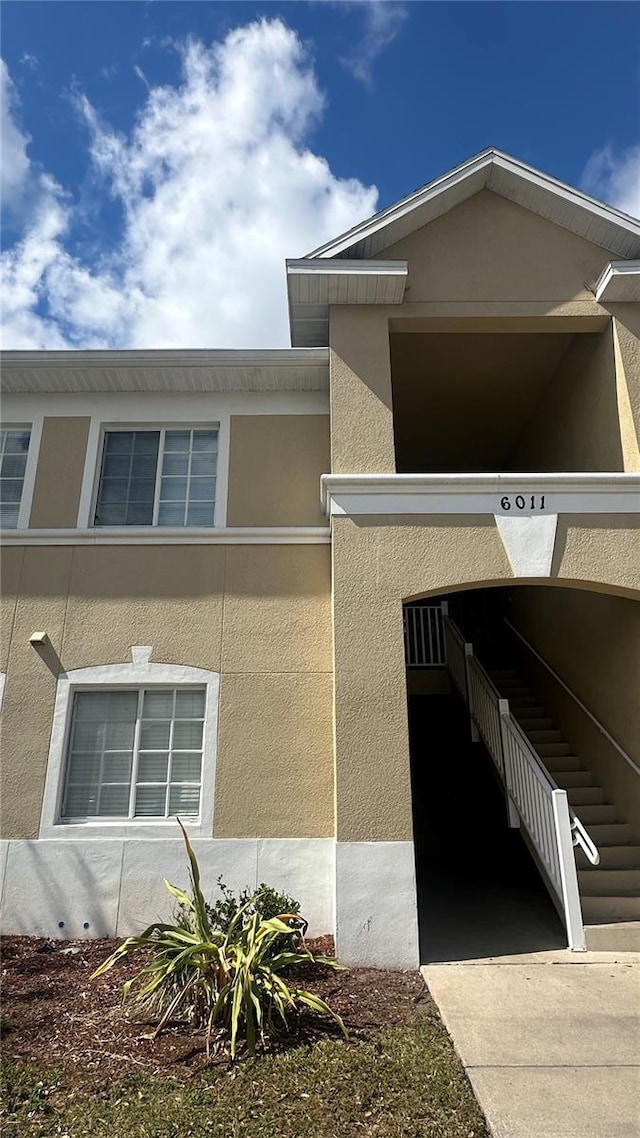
[(568, 655)]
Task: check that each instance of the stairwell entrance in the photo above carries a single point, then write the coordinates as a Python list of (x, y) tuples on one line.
[(520, 843)]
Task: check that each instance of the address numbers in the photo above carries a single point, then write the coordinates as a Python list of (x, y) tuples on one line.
[(522, 502)]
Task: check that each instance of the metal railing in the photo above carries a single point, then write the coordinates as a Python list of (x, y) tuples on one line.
[(533, 798), (424, 636)]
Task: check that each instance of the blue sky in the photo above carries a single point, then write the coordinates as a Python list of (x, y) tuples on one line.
[(161, 159)]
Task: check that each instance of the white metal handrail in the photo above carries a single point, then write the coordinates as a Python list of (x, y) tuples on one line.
[(603, 731), (455, 654), (532, 795), (484, 702), (545, 812), (424, 636)]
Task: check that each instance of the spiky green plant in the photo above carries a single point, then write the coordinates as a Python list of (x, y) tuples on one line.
[(228, 980)]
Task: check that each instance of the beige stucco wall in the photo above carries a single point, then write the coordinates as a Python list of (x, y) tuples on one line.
[(274, 469), (576, 425), (379, 563), (489, 249), (56, 494), (487, 260), (258, 614), (592, 640)]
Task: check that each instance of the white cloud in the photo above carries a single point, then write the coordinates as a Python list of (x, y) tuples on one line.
[(383, 20), (217, 187), (14, 169), (615, 178)]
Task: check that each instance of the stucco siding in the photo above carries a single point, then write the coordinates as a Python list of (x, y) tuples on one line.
[(56, 495), (274, 469), (254, 611)]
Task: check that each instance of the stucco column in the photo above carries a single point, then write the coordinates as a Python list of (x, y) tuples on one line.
[(361, 400)]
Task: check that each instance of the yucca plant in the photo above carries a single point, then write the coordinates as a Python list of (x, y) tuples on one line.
[(235, 980)]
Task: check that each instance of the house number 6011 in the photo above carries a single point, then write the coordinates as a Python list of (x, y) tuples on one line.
[(523, 502)]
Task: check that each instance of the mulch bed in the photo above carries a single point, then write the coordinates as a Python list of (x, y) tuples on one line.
[(56, 1018)]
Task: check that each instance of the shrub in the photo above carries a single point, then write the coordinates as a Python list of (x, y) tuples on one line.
[(232, 979), (265, 901)]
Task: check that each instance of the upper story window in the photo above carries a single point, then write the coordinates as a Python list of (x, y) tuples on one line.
[(14, 447), (158, 477)]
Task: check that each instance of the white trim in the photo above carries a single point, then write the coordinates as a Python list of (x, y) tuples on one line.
[(33, 423), (160, 406), (137, 673), (356, 494), (3, 681), (345, 268), (185, 535), (313, 286), (619, 281), (603, 731)]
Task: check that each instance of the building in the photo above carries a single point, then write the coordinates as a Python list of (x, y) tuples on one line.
[(218, 566)]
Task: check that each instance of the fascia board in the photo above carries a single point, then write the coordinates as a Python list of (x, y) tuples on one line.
[(619, 281)]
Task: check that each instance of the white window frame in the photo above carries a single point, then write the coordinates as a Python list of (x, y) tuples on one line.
[(139, 673), (219, 509), (34, 426)]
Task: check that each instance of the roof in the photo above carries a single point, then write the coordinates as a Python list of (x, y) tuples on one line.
[(492, 170), (346, 271)]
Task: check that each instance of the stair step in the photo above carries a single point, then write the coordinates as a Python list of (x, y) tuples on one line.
[(521, 701), (593, 813), (503, 674), (609, 833), (612, 857), (545, 735), (565, 779), (552, 750), (585, 796), (528, 723), (599, 910), (514, 691), (555, 763), (621, 936), (534, 711), (596, 882)]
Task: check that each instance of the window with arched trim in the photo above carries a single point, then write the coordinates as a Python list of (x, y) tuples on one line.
[(132, 748)]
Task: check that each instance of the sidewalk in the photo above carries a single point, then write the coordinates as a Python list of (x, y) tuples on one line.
[(550, 1040)]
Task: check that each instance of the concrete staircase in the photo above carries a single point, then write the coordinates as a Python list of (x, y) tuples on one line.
[(609, 892)]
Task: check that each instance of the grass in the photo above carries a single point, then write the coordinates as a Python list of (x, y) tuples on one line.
[(403, 1082)]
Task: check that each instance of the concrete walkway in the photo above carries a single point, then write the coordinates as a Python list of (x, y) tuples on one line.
[(549, 1040)]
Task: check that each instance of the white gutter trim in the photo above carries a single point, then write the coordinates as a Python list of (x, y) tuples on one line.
[(207, 357), (612, 270), (353, 494), (346, 268)]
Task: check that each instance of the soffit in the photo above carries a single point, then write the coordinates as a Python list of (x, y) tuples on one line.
[(313, 286), (280, 369), (620, 281)]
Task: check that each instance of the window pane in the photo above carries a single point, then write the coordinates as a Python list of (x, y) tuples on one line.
[(9, 516), (118, 736), (177, 440), (14, 441), (84, 767), (186, 735), (91, 705), (127, 478), (114, 802), (157, 705), (13, 466), (88, 736), (205, 440), (173, 490), (150, 801), (10, 489), (200, 514), (186, 767), (203, 464), (80, 801), (189, 704), (171, 514), (123, 705), (202, 488), (116, 767), (153, 767), (184, 800), (154, 736), (175, 463)]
